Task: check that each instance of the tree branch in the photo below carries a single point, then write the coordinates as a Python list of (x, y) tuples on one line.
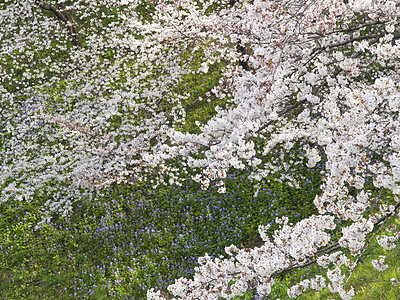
[(334, 246), (64, 17)]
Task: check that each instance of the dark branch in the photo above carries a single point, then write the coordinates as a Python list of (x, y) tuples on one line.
[(64, 17)]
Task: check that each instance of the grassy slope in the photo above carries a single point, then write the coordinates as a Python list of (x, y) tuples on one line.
[(135, 237), (131, 239)]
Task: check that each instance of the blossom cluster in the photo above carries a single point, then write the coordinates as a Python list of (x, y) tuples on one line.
[(320, 75), (343, 81)]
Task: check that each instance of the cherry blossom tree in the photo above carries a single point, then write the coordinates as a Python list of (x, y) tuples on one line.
[(321, 75)]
